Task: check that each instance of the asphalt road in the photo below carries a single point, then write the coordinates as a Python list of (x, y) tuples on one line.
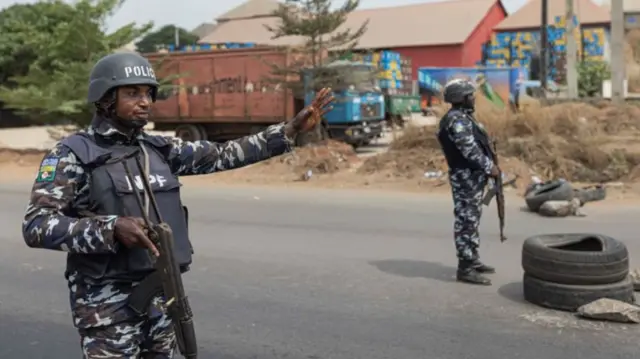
[(329, 275)]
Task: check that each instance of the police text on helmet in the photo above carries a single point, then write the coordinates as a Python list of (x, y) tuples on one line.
[(139, 71)]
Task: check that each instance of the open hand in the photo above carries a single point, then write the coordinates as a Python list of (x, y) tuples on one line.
[(310, 116), (132, 232)]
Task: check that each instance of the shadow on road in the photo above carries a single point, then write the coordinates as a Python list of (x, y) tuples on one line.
[(513, 292), (416, 269)]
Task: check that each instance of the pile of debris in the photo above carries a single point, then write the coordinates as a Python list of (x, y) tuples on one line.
[(326, 157), (558, 198), (409, 156)]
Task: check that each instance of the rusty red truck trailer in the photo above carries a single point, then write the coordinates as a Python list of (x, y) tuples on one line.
[(221, 94)]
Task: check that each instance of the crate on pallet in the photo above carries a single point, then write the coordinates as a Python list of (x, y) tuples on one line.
[(208, 47)]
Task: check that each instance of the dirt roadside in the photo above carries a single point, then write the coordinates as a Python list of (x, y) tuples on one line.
[(583, 143), (333, 166)]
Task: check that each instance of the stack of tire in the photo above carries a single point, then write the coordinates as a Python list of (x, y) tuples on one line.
[(566, 271)]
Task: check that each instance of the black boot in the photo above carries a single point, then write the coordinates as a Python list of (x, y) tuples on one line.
[(468, 274), (483, 268)]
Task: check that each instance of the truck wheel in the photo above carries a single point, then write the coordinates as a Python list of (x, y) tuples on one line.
[(256, 129), (203, 133), (399, 121), (189, 132)]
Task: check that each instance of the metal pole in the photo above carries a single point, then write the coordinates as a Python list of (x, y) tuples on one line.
[(617, 52), (571, 54), (544, 64)]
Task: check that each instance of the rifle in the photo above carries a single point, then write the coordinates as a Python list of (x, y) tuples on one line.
[(486, 200), (167, 278), (498, 188)]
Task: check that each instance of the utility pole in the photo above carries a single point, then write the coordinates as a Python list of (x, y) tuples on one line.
[(571, 54), (617, 52), (544, 63)]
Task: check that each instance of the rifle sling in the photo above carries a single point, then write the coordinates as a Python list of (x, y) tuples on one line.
[(143, 293)]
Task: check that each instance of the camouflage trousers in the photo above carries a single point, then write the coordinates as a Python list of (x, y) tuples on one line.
[(467, 188), (110, 329)]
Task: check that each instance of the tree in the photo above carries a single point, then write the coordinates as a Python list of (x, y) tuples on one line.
[(19, 25), (590, 78), (49, 48), (322, 32), (166, 35)]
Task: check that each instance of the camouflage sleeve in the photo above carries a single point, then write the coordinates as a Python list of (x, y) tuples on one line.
[(204, 157), (48, 222), (461, 132)]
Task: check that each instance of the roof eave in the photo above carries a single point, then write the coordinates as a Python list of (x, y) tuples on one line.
[(395, 46), (529, 27)]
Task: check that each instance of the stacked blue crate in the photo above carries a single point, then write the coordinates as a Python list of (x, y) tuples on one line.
[(207, 47), (395, 71), (390, 64)]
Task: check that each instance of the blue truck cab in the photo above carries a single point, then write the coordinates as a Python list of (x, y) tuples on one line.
[(358, 112)]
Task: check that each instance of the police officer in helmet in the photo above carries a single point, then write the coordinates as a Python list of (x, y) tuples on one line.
[(82, 205), (466, 147)]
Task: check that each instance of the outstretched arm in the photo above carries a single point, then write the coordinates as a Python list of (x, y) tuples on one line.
[(205, 157), (49, 222)]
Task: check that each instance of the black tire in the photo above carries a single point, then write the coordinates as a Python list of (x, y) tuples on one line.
[(204, 135), (552, 191), (575, 258), (571, 297), (591, 194), (189, 132)]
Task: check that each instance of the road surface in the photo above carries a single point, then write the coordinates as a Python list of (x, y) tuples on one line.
[(322, 274)]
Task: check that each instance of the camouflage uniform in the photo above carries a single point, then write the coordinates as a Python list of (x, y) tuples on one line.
[(107, 326), (467, 150), (467, 187)]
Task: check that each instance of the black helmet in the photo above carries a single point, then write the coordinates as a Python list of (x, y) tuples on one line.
[(456, 91), (117, 70)]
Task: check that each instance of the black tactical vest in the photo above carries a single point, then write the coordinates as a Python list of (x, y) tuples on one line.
[(454, 157), (113, 194)]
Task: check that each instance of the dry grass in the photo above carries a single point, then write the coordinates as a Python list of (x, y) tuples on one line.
[(579, 142), (326, 157), (632, 59)]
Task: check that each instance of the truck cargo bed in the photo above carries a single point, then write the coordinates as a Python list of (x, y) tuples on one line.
[(222, 86)]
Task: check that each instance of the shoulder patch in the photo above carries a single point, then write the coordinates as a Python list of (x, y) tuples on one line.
[(47, 171), (458, 127)]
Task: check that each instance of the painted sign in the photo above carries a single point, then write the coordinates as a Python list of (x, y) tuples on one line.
[(496, 85), (515, 48)]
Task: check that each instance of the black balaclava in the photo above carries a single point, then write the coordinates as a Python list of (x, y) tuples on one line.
[(469, 104)]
